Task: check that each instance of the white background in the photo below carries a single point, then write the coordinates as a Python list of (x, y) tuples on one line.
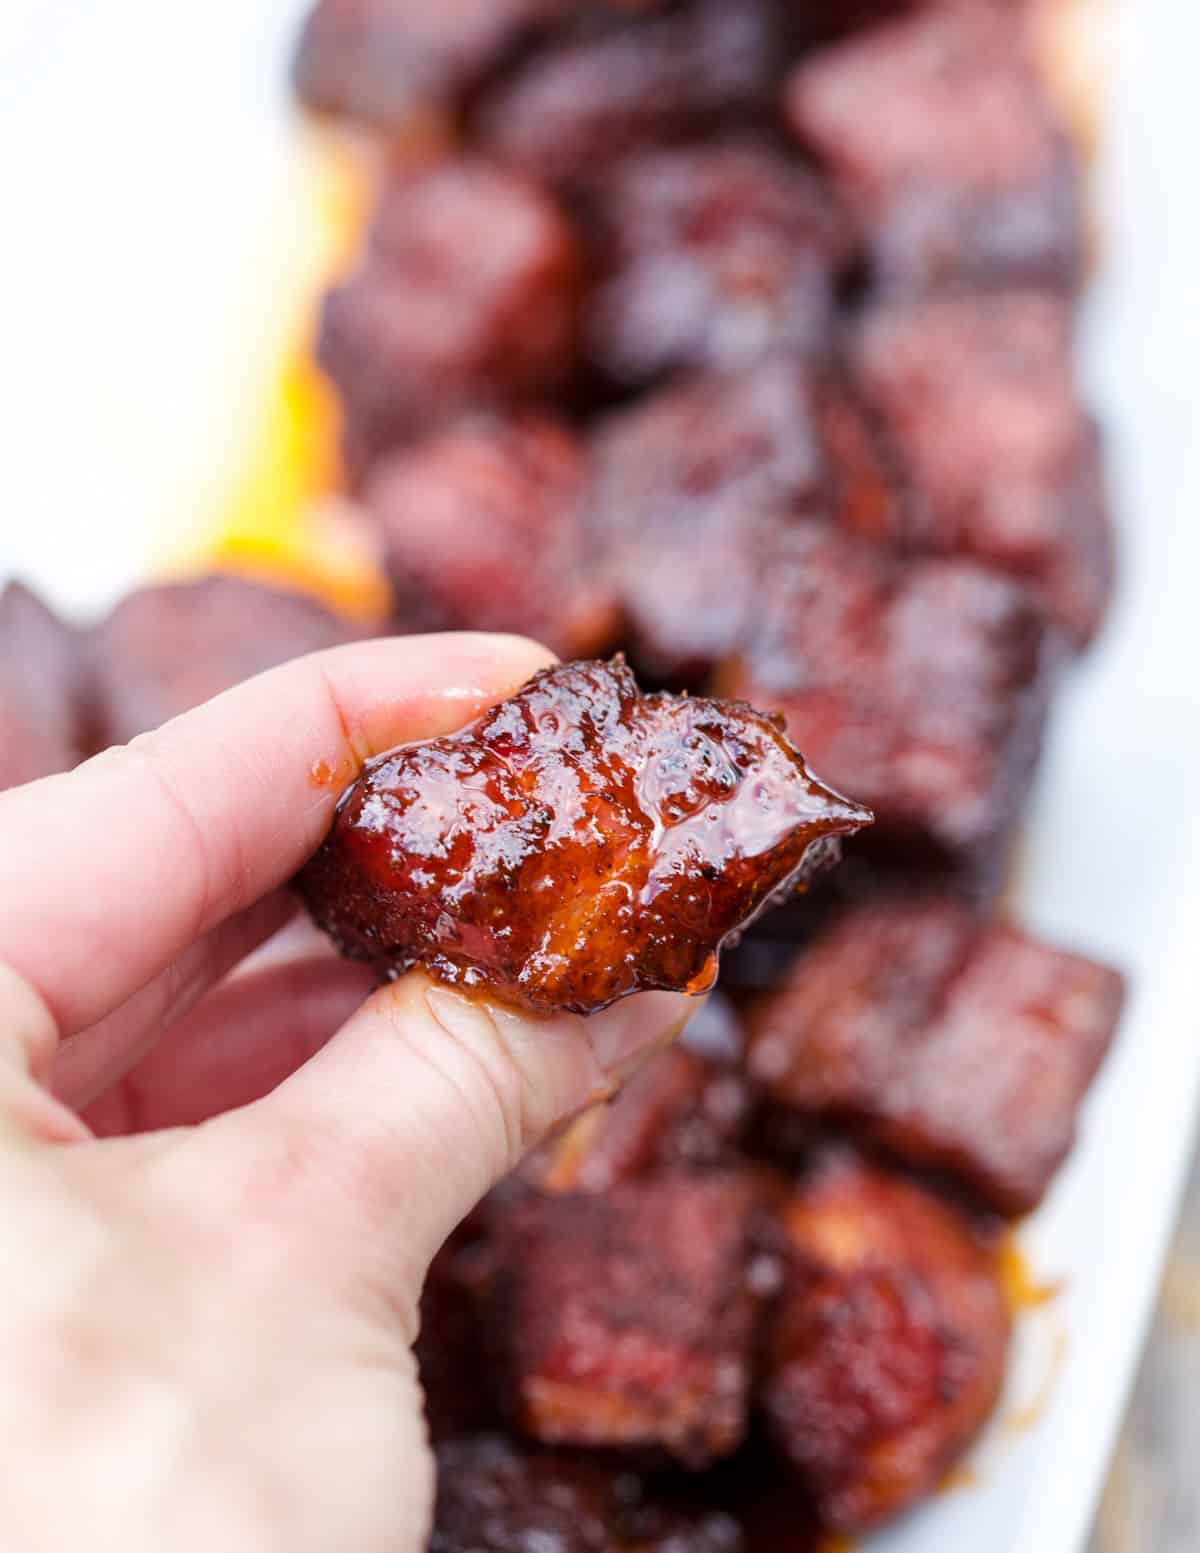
[(152, 239)]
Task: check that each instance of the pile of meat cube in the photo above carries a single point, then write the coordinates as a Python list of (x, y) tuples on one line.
[(738, 335)]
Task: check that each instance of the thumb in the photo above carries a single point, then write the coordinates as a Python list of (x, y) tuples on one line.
[(387, 1138)]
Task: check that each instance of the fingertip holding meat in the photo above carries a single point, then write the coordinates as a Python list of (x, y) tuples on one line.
[(577, 843)]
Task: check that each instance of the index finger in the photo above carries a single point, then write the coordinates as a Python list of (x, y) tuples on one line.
[(108, 872)]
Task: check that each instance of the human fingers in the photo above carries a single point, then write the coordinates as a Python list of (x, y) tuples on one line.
[(120, 865), (384, 1141)]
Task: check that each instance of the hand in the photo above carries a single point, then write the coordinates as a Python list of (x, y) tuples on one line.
[(214, 1219)]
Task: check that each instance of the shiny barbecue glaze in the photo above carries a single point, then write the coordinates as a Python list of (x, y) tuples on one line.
[(576, 843)]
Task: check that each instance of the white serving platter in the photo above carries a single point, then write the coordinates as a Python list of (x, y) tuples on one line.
[(156, 236)]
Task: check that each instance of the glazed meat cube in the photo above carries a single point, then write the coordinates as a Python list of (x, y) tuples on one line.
[(1022, 1031), (858, 1000), (709, 255), (977, 396), (483, 528), (497, 1496), (166, 649), (388, 63), (693, 486), (465, 294), (923, 684), (954, 1043), (576, 105), (576, 843), (626, 1318), (678, 1111), (936, 130), (42, 713), (888, 1353)]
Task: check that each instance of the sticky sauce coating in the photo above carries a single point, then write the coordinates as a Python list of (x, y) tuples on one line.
[(576, 843)]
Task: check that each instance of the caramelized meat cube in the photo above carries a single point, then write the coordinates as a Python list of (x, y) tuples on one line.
[(679, 1111), (575, 105), (166, 649), (574, 844), (42, 714), (465, 294), (710, 254), (388, 63), (938, 133), (977, 396), (888, 1352), (626, 1318), (497, 1496), (483, 527), (693, 486), (923, 683), (956, 1044)]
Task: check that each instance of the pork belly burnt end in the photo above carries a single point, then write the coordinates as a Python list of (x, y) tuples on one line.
[(42, 691), (390, 64), (574, 844), (576, 105), (976, 394), (693, 486), (465, 294), (887, 1353), (958, 1044), (923, 683), (495, 1495), (483, 528), (937, 131), (166, 649), (708, 254), (626, 1318)]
